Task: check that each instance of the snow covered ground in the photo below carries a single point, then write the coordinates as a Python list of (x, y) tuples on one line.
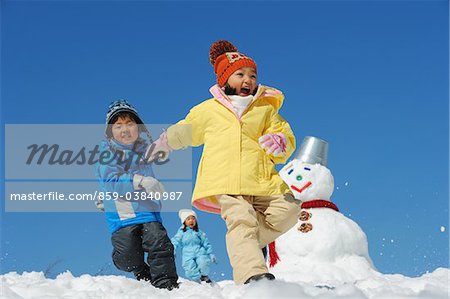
[(35, 285), (329, 261)]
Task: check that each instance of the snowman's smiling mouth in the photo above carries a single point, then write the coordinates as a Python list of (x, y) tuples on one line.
[(303, 188)]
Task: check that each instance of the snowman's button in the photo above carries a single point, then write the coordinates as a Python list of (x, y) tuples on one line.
[(305, 227), (304, 215)]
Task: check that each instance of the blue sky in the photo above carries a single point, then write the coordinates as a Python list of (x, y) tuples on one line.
[(371, 77)]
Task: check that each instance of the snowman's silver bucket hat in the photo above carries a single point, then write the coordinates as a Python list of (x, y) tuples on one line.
[(313, 150)]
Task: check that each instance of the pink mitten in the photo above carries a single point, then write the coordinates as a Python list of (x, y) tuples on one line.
[(273, 143), (159, 149)]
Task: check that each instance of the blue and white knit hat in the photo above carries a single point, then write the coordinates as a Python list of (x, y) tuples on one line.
[(117, 107), (120, 106)]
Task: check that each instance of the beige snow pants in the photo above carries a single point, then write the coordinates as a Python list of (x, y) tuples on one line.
[(252, 223)]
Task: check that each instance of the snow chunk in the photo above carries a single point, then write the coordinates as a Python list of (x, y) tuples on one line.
[(34, 285)]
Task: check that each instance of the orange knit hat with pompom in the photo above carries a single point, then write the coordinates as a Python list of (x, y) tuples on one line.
[(226, 59)]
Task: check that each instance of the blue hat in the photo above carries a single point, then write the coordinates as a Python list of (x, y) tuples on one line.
[(117, 107)]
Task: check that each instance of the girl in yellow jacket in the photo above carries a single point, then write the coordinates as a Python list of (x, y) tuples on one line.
[(243, 137)]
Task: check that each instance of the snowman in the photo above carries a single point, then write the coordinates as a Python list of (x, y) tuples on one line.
[(325, 247)]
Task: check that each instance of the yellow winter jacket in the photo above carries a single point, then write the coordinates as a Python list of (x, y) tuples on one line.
[(232, 161)]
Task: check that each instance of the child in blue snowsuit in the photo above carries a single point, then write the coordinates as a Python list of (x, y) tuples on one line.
[(197, 252), (135, 224)]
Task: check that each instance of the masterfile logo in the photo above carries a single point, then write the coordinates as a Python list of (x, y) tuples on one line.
[(45, 160)]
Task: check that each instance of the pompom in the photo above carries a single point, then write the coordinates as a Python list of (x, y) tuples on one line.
[(218, 48)]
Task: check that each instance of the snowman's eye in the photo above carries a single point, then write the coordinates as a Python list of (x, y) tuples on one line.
[(290, 171), (299, 178), (306, 168)]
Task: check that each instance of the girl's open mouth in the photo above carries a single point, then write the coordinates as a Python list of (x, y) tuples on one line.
[(245, 91)]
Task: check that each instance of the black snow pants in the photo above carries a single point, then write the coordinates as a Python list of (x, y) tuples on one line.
[(132, 241)]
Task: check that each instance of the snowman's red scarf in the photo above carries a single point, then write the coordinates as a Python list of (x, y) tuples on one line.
[(319, 203), (316, 203), (273, 255)]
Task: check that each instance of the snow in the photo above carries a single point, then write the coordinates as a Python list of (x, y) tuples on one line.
[(335, 250), (377, 285), (313, 181), (329, 261)]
